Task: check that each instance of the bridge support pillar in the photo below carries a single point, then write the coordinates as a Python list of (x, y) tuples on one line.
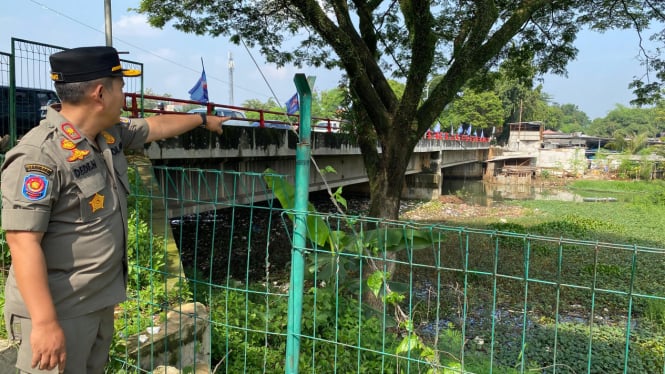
[(422, 186), (464, 171), (425, 185)]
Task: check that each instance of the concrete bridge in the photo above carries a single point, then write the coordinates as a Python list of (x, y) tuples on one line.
[(251, 150)]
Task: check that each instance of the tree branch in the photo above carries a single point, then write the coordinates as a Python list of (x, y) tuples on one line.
[(423, 44)]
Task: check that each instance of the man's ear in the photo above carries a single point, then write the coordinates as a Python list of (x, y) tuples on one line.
[(97, 92)]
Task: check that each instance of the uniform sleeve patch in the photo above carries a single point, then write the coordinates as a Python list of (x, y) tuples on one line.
[(125, 120), (35, 187), (38, 168)]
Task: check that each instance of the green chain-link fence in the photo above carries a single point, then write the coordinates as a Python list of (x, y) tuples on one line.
[(381, 297)]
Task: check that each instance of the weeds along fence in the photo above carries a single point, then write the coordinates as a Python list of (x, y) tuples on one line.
[(380, 296)]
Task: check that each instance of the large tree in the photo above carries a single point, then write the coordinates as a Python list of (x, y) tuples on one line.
[(482, 110), (409, 40)]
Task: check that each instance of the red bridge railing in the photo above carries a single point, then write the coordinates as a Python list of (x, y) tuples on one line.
[(253, 117)]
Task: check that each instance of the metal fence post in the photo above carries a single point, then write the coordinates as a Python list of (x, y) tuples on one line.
[(303, 151)]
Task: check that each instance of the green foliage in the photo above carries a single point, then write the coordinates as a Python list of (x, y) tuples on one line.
[(640, 220), (317, 229), (147, 292), (617, 186), (330, 322), (655, 198), (575, 226), (481, 109), (627, 122), (5, 256), (655, 313), (138, 200), (569, 118), (572, 350), (337, 263), (353, 243)]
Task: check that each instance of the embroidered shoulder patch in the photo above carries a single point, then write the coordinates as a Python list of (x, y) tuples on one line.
[(125, 120), (38, 168), (67, 144), (109, 138), (35, 187), (70, 131)]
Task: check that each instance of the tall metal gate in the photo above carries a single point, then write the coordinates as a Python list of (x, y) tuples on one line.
[(27, 67)]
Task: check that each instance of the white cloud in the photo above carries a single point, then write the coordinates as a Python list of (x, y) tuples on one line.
[(272, 72), (135, 25)]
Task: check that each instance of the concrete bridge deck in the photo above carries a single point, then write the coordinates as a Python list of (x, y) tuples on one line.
[(250, 150)]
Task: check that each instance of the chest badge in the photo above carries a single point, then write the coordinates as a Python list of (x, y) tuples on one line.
[(97, 202), (109, 138), (78, 154)]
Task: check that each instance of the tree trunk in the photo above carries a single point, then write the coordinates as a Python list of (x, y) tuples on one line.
[(386, 179), (385, 191)]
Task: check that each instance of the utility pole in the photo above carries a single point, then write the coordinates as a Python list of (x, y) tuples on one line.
[(231, 67), (108, 23)]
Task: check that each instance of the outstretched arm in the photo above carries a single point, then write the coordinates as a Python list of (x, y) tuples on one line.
[(169, 125)]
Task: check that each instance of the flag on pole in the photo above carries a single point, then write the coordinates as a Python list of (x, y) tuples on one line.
[(292, 105), (437, 128), (460, 130), (468, 131), (200, 90)]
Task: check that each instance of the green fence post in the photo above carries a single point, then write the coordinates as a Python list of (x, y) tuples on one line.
[(303, 151)]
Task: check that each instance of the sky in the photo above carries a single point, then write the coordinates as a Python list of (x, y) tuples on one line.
[(597, 80)]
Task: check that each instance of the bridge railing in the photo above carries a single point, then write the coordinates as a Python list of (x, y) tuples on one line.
[(244, 117)]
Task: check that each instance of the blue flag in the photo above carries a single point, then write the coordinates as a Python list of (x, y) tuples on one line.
[(292, 105), (460, 130), (468, 131), (200, 90), (437, 128)]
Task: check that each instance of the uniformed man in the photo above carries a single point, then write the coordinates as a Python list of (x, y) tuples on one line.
[(64, 209)]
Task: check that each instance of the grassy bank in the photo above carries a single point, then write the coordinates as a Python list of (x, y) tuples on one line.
[(637, 217), (579, 294)]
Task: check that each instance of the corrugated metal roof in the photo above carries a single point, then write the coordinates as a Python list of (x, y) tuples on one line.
[(511, 157)]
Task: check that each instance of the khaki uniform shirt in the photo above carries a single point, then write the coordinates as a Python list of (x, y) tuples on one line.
[(57, 182)]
